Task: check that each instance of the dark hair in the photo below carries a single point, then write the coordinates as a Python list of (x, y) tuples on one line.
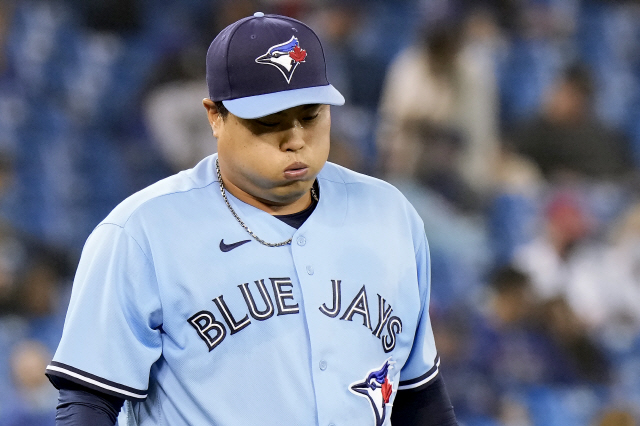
[(509, 278), (222, 110), (579, 76)]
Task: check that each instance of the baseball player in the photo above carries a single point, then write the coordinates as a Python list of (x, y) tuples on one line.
[(265, 286)]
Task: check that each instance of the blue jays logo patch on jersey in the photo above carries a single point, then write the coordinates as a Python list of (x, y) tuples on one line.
[(284, 56), (377, 388)]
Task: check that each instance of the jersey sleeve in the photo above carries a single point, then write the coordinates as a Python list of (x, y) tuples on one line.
[(422, 365), (111, 335), (429, 406)]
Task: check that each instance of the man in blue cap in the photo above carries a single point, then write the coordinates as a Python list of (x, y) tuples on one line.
[(263, 286)]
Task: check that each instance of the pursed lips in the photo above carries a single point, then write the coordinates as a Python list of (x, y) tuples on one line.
[(296, 170)]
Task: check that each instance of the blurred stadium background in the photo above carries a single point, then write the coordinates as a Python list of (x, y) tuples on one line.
[(512, 125)]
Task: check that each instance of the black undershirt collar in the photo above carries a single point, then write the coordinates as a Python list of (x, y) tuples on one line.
[(296, 220)]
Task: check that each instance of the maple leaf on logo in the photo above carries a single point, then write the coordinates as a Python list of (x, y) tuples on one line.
[(298, 54), (387, 389)]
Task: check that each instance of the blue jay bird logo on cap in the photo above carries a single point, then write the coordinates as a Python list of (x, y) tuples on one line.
[(284, 56), (377, 388)]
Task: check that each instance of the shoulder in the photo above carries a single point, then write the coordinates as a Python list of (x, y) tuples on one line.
[(355, 181), (370, 193), (173, 190)]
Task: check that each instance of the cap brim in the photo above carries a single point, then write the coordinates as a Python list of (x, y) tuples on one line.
[(270, 103)]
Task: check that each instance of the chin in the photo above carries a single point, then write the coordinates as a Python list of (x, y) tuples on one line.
[(289, 198), (291, 193)]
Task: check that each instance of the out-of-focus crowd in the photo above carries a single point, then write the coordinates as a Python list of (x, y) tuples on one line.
[(513, 126)]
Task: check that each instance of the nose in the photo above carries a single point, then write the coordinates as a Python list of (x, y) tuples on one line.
[(293, 138)]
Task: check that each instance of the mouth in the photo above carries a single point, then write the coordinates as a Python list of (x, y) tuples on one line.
[(296, 170)]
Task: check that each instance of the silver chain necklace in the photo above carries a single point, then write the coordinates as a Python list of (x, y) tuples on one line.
[(246, 228)]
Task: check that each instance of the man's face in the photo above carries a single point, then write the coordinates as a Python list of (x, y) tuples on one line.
[(275, 159)]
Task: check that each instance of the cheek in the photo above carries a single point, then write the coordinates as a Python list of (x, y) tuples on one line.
[(319, 141), (251, 156), (323, 148), (234, 141)]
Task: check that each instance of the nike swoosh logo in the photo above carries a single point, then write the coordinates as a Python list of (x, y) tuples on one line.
[(228, 247)]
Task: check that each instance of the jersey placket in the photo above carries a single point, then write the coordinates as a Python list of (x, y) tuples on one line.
[(311, 256), (320, 360)]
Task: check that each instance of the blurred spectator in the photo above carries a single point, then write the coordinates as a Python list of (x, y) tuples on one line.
[(12, 108), (35, 399), (43, 295), (439, 107), (13, 246), (175, 116), (38, 288), (512, 344), (111, 15), (524, 343), (5, 16), (357, 67), (555, 258), (622, 263), (472, 391), (491, 349), (13, 256), (584, 360), (509, 343), (173, 111), (599, 279), (225, 12), (514, 413), (617, 276), (566, 139), (350, 37), (616, 417)]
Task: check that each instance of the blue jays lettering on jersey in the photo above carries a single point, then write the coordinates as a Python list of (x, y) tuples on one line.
[(164, 314)]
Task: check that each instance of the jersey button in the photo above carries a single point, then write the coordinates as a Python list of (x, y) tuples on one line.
[(302, 241), (323, 365), (309, 269)]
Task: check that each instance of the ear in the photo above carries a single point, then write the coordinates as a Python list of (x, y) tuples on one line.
[(215, 119)]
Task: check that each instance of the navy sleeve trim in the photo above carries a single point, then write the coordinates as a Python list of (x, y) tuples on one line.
[(423, 380), (94, 382)]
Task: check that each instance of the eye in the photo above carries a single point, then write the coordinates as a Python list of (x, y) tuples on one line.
[(311, 118), (267, 124)]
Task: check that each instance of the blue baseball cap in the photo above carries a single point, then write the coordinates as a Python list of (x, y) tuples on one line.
[(264, 64)]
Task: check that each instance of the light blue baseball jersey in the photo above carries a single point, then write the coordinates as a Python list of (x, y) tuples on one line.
[(169, 312)]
